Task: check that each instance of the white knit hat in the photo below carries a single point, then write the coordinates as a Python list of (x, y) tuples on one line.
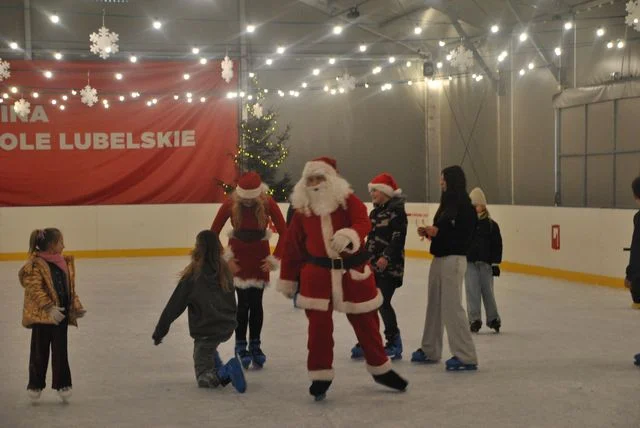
[(477, 197)]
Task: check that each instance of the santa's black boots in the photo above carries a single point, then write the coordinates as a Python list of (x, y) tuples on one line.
[(319, 389), (392, 380)]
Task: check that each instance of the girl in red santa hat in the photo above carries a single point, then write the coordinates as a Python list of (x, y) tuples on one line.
[(324, 249), (248, 254)]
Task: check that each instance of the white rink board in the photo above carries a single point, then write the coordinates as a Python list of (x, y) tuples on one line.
[(591, 239)]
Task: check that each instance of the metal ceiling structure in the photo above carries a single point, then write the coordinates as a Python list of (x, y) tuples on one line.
[(304, 27)]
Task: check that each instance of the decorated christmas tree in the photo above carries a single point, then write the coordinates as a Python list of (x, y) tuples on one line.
[(263, 148)]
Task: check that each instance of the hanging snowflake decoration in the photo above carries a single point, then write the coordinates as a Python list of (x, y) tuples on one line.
[(346, 82), (257, 111), (227, 69), (4, 70), (22, 108), (89, 96), (633, 14), (103, 43), (461, 58)]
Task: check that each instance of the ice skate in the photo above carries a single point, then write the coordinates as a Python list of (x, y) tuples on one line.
[(495, 325), (243, 355), (393, 348), (232, 372), (392, 380), (65, 394), (257, 356), (319, 389), (475, 326), (454, 364), (357, 353), (420, 357)]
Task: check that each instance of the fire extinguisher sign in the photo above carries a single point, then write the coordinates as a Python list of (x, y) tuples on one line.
[(555, 237)]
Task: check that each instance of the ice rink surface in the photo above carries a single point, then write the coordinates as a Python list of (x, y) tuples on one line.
[(563, 359)]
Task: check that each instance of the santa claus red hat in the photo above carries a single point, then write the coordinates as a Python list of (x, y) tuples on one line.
[(250, 186), (385, 184), (320, 166)]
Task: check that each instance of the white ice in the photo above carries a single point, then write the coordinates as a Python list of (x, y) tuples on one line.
[(563, 358)]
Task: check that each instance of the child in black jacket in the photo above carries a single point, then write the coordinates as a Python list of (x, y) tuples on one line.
[(206, 288), (632, 276), (385, 245), (483, 258)]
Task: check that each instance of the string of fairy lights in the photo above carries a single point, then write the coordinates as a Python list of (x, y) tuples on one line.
[(444, 70)]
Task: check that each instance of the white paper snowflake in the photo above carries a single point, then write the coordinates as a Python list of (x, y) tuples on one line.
[(461, 58), (257, 111), (22, 108), (89, 96), (347, 82), (227, 69), (4, 70), (103, 43), (633, 14)]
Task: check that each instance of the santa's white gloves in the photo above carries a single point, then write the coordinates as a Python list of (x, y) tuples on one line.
[(272, 263), (56, 313), (339, 243), (286, 287)]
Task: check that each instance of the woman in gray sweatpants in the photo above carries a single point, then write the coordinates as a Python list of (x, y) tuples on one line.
[(450, 235)]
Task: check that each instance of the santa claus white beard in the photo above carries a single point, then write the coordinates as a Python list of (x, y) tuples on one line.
[(322, 200)]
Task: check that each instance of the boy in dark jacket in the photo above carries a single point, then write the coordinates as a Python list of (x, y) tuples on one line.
[(632, 277), (385, 245), (206, 288), (483, 258)]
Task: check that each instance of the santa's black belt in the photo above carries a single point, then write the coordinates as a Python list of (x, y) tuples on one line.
[(246, 235), (340, 264)]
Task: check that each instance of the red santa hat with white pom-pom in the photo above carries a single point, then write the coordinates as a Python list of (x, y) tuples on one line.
[(324, 166), (250, 186), (386, 184)]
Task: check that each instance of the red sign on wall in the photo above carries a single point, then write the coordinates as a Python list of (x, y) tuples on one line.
[(555, 237), (172, 143)]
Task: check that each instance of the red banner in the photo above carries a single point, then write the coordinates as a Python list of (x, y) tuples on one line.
[(149, 148)]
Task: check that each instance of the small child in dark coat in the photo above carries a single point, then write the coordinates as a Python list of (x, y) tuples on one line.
[(483, 260), (206, 288)]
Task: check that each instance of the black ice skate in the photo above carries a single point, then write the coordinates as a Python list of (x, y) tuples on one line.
[(319, 389), (392, 380), (495, 325)]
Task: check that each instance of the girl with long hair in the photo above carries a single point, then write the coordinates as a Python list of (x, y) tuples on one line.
[(450, 236), (205, 287), (250, 210)]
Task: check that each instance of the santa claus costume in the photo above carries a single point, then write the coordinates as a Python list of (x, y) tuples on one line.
[(324, 249), (250, 210)]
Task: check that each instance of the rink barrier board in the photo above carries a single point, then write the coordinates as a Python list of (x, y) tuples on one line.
[(585, 278)]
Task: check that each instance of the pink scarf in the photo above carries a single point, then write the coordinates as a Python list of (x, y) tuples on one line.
[(56, 259)]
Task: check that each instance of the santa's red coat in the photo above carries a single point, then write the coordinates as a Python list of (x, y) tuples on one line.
[(352, 291), (250, 255)]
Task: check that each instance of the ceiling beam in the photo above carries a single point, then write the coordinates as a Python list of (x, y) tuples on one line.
[(468, 43), (536, 44), (445, 8), (315, 4), (403, 15)]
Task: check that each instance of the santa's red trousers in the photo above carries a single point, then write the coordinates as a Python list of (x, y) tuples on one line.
[(320, 344)]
